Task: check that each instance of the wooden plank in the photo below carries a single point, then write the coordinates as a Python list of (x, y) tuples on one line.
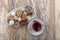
[(44, 16), (10, 31), (57, 19), (50, 20), (51, 32), (21, 33), (29, 36), (5, 7)]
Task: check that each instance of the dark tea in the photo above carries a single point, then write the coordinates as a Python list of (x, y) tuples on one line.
[(37, 26)]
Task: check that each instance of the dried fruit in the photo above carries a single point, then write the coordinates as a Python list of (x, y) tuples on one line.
[(11, 17), (24, 16), (28, 17)]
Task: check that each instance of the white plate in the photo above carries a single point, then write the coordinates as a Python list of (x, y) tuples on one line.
[(32, 31), (21, 8)]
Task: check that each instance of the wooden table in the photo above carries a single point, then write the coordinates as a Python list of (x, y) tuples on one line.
[(11, 33)]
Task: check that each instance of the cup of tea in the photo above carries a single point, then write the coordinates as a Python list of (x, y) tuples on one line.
[(36, 27)]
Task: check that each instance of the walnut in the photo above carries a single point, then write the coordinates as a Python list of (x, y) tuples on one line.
[(18, 13)]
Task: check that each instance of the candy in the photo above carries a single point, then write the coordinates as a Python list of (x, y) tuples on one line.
[(13, 13), (28, 17), (11, 22), (15, 17), (19, 19)]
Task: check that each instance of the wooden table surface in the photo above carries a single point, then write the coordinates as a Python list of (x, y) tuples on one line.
[(11, 33)]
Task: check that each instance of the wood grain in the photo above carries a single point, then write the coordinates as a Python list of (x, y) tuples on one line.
[(10, 33), (57, 19)]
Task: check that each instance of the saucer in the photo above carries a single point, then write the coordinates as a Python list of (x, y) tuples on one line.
[(32, 31)]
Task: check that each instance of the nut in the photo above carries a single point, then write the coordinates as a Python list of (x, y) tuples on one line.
[(15, 17), (18, 13), (11, 17)]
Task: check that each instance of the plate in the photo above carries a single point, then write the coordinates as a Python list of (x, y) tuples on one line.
[(20, 8)]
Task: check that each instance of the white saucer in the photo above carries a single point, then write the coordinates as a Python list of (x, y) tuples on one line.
[(32, 31)]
